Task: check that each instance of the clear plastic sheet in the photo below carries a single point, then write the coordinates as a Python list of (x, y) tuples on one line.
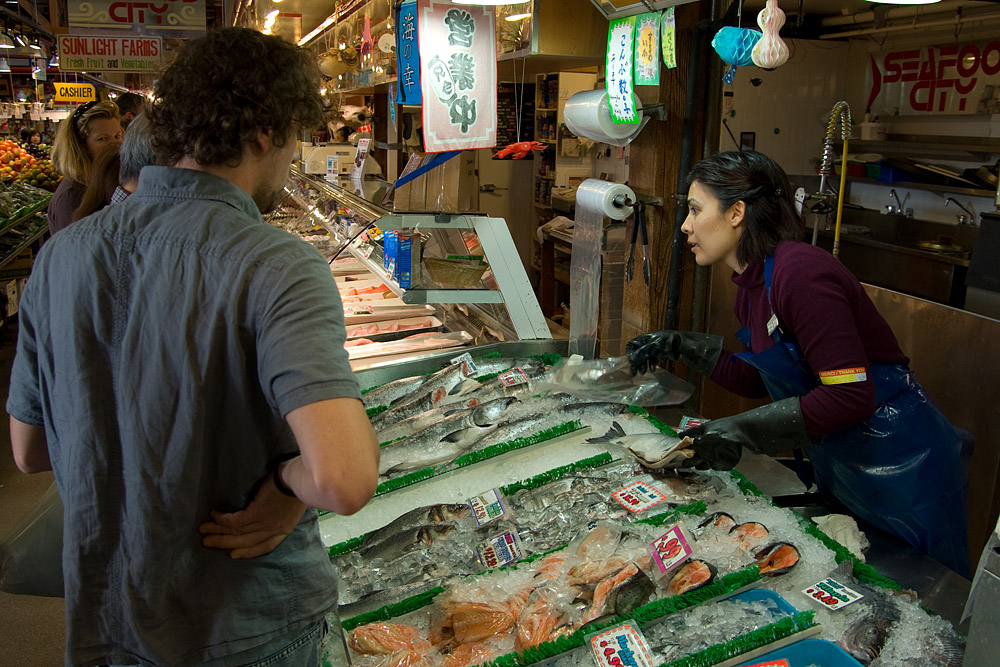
[(611, 380), (31, 554)]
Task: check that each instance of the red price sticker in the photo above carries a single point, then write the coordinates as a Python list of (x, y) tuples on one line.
[(470, 369), (670, 549), (620, 646), (771, 663), (832, 594), (639, 496), (513, 377), (500, 550)]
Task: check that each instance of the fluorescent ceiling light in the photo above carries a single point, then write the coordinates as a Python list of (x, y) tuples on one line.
[(4, 65), (271, 15), (5, 41), (517, 17), (55, 60)]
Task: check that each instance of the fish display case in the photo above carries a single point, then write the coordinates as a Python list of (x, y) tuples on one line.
[(412, 283), (533, 546)]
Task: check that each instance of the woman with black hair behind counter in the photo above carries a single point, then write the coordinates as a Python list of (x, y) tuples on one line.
[(814, 341)]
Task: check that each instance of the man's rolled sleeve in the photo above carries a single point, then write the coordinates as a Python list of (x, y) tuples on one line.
[(24, 401), (300, 340)]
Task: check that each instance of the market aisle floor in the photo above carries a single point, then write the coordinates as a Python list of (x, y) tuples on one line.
[(32, 629)]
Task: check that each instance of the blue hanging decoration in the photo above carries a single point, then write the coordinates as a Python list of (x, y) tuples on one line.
[(735, 45), (407, 55)]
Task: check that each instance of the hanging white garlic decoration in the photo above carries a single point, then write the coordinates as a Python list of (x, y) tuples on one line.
[(770, 52)]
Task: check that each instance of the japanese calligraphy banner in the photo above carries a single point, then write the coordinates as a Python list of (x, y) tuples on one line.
[(621, 46), (667, 38), (407, 55), (647, 46), (171, 15), (949, 79), (458, 75)]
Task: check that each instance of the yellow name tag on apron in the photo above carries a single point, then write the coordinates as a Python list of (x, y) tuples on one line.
[(843, 376)]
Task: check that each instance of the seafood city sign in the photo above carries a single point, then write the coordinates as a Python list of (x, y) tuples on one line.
[(952, 79), (151, 14), (92, 53)]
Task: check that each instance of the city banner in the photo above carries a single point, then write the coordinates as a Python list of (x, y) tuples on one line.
[(949, 79), (173, 15)]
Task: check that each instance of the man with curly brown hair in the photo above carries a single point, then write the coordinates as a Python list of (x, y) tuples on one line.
[(180, 367)]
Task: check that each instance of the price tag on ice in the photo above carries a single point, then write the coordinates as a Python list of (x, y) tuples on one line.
[(500, 550), (513, 377), (358, 309), (619, 646), (832, 594), (691, 422), (638, 496), (470, 365), (670, 549), (487, 507), (771, 663)]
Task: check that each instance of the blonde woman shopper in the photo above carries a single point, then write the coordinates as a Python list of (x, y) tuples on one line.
[(80, 139)]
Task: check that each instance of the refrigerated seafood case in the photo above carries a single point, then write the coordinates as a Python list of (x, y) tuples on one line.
[(462, 271)]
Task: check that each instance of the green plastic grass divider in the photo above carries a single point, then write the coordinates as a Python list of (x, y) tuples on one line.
[(352, 544), (547, 358), (407, 479), (556, 473), (659, 424), (389, 442), (377, 410), (697, 507), (713, 655), (517, 443), (721, 587), (390, 611)]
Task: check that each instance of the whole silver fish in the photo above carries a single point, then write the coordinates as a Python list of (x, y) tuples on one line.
[(414, 538), (450, 381), (404, 428), (443, 441), (584, 412), (391, 391), (653, 450), (495, 387), (415, 518)]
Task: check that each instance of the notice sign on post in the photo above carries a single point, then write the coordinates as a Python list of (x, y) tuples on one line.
[(90, 53), (75, 92)]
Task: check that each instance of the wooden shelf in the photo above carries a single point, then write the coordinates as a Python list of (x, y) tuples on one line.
[(540, 110), (929, 187)]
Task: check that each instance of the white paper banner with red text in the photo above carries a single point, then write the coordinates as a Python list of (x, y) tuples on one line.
[(458, 75)]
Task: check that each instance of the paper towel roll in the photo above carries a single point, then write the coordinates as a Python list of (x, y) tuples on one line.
[(606, 198), (587, 115)]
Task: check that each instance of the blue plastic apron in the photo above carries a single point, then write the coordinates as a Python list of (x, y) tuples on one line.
[(899, 469)]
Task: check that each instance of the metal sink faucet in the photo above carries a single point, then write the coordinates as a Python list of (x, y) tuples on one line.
[(961, 218), (899, 204)]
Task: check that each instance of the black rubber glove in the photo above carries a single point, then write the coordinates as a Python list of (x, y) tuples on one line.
[(770, 429), (700, 351)]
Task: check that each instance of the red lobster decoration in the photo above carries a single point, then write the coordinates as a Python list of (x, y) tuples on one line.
[(520, 150)]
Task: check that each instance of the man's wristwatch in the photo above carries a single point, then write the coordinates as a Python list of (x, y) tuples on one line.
[(276, 476)]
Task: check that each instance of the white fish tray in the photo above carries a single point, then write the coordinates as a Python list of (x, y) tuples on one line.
[(385, 328), (438, 341), (381, 311)]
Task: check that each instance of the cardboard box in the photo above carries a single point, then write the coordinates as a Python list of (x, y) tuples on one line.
[(452, 187), (12, 296), (314, 158), (408, 273)]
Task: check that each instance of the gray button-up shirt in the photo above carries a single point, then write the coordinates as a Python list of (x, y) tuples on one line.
[(162, 340)]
